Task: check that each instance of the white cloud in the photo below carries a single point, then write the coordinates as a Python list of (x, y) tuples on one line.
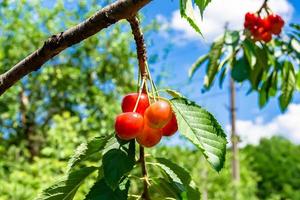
[(219, 12), (286, 125)]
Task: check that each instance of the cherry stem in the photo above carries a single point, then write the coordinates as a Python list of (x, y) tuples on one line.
[(263, 6), (140, 93), (142, 58)]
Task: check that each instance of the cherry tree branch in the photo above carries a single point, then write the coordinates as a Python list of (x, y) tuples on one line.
[(121, 9), (142, 58)]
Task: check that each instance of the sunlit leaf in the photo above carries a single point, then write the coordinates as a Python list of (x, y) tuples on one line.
[(202, 129)]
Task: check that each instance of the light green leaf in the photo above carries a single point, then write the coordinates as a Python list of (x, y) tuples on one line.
[(202, 4), (298, 80), (87, 150), (174, 93), (197, 65), (288, 85), (260, 67), (67, 188), (214, 61), (187, 12), (101, 191), (116, 163), (164, 189), (296, 45), (202, 129), (249, 52)]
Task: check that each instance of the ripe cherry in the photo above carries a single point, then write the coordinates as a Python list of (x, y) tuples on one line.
[(158, 114), (266, 36), (129, 125), (129, 102), (171, 127), (149, 137), (276, 24)]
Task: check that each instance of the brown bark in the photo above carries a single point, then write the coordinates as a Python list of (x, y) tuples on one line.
[(121, 9)]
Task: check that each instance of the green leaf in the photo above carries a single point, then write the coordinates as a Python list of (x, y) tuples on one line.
[(298, 80), (197, 65), (240, 70), (187, 12), (249, 52), (66, 189), (262, 98), (174, 93), (179, 175), (261, 65), (202, 129), (88, 150), (202, 4), (164, 189), (295, 44), (288, 85), (116, 163), (214, 61), (101, 191)]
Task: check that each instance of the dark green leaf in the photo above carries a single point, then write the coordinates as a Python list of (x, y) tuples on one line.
[(202, 129), (116, 163), (86, 151), (222, 76), (288, 85), (179, 175), (262, 98), (101, 191), (197, 65), (66, 189), (240, 70)]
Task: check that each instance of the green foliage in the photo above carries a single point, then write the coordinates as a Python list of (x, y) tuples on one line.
[(187, 11), (276, 161), (66, 189), (101, 191), (180, 177), (270, 68), (87, 150), (116, 163), (202, 129)]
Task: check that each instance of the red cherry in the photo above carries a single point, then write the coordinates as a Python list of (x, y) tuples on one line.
[(149, 137), (158, 114), (266, 36), (129, 125), (171, 127), (129, 102), (266, 24), (276, 24)]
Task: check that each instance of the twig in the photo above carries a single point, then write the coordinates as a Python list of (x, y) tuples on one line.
[(121, 9)]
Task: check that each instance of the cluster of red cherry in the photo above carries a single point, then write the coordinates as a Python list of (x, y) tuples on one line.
[(145, 122), (262, 28)]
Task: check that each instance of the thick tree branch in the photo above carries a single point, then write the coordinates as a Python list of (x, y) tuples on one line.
[(142, 58), (121, 9)]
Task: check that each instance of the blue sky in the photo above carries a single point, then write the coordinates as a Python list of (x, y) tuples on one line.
[(186, 46)]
